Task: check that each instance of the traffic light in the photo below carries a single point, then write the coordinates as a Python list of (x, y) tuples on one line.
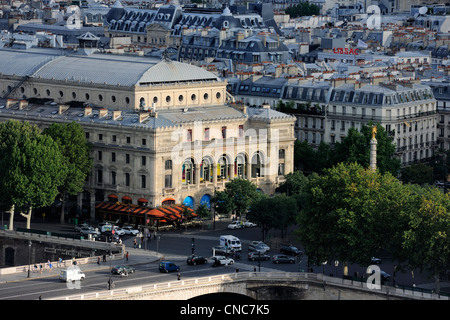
[(193, 245)]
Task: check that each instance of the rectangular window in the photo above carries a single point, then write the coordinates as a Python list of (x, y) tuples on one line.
[(100, 137), (206, 133), (144, 160), (168, 181), (224, 132), (114, 138), (128, 139), (168, 165), (189, 135), (127, 158), (241, 131), (143, 181), (99, 156), (99, 176), (127, 179), (144, 142), (113, 178), (113, 157)]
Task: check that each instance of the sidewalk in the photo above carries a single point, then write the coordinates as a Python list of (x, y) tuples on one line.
[(136, 257)]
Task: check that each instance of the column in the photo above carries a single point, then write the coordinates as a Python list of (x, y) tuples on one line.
[(197, 174)]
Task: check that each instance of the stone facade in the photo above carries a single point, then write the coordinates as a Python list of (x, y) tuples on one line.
[(168, 132)]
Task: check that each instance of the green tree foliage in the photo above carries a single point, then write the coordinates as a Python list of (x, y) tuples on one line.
[(222, 203), (31, 168), (355, 147), (276, 212), (418, 173), (75, 150), (350, 214), (203, 211), (426, 243), (303, 9), (240, 194)]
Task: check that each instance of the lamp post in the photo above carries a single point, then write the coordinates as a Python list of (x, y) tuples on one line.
[(29, 257), (110, 269)]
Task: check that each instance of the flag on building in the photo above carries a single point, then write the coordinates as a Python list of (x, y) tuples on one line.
[(362, 44)]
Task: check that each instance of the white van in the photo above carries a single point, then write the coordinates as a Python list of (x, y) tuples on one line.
[(231, 242), (72, 274), (106, 227)]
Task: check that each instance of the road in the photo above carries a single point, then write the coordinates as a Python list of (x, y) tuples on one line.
[(176, 246)]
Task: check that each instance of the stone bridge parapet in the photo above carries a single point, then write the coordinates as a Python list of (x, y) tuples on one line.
[(259, 286)]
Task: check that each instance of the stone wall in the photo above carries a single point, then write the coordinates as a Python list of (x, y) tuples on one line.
[(15, 249)]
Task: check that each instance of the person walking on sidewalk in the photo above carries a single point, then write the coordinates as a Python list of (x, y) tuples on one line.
[(126, 255)]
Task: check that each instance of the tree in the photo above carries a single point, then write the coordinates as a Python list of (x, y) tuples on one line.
[(241, 193), (427, 240), (351, 213), (418, 173), (278, 212), (355, 147), (75, 150), (294, 184), (31, 168), (222, 203), (203, 211)]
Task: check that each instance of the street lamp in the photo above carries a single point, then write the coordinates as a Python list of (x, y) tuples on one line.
[(29, 257)]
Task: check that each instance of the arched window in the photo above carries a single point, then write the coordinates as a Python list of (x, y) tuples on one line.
[(188, 172), (240, 168), (206, 170), (223, 168), (257, 165)]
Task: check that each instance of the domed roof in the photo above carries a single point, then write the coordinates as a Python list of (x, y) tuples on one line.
[(168, 71)]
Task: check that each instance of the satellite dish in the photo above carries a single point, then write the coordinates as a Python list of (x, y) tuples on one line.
[(423, 10)]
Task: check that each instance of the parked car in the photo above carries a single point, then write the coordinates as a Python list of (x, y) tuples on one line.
[(167, 266), (107, 236), (122, 270), (235, 225), (375, 260), (194, 260), (78, 227), (221, 261), (89, 230), (255, 256), (291, 250), (384, 276), (119, 231), (258, 246), (220, 250), (281, 258), (249, 224), (130, 230)]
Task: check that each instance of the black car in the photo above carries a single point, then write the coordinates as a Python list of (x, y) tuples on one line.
[(194, 260), (281, 258), (291, 250), (255, 256), (123, 270)]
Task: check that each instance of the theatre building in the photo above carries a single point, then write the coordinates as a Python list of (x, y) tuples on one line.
[(162, 132)]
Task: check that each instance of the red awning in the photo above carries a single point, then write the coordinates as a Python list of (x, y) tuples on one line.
[(142, 200), (126, 198), (113, 196)]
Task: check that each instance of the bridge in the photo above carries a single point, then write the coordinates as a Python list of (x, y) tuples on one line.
[(259, 286)]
